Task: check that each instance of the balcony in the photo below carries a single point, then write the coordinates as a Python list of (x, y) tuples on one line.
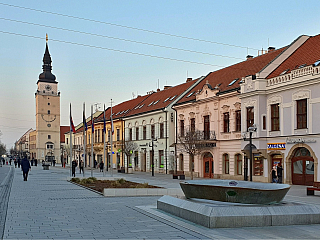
[(209, 135)]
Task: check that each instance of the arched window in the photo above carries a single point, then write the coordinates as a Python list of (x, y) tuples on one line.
[(225, 158), (238, 163)]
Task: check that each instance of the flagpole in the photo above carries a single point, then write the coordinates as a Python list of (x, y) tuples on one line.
[(111, 142), (92, 129), (84, 137), (70, 142), (104, 139)]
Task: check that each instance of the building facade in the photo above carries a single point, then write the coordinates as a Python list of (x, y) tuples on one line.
[(284, 105)]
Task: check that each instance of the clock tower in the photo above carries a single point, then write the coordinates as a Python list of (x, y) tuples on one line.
[(47, 113)]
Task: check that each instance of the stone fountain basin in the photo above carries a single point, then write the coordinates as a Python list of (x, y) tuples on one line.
[(235, 191)]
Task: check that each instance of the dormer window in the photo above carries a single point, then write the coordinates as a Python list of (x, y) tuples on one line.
[(189, 95), (284, 72), (233, 81), (316, 63), (173, 97)]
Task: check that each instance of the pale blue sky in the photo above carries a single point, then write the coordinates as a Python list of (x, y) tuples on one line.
[(95, 75)]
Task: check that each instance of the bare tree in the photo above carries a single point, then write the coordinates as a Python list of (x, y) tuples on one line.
[(128, 148), (191, 142), (3, 149)]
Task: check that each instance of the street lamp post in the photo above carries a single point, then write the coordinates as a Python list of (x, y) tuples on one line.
[(152, 149), (251, 129)]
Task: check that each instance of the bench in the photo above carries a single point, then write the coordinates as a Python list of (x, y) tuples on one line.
[(316, 187), (179, 174)]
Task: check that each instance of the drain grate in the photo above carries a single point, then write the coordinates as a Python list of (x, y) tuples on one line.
[(73, 198), (52, 190)]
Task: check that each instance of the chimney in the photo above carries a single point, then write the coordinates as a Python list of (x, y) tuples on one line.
[(271, 49), (249, 57), (158, 90), (166, 87), (189, 79)]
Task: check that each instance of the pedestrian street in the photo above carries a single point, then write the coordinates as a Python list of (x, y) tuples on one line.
[(48, 206)]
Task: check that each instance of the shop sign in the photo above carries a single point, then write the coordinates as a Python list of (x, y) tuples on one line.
[(276, 146), (300, 140)]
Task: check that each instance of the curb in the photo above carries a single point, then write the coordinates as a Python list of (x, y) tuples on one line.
[(95, 191)]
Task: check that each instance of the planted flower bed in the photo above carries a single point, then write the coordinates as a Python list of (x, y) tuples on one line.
[(99, 185)]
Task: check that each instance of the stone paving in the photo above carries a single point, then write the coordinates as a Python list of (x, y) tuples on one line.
[(48, 206)]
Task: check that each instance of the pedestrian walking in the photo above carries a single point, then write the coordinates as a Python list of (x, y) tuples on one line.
[(279, 172), (15, 163), (81, 165), (25, 167), (3, 161), (10, 161), (274, 174), (101, 166), (19, 162), (74, 165)]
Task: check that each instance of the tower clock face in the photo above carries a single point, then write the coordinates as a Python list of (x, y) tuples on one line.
[(48, 87), (48, 118)]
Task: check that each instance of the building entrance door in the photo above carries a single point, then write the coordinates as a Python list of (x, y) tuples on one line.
[(208, 165), (302, 167), (143, 160)]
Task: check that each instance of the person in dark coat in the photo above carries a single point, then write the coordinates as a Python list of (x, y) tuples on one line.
[(81, 165), (25, 167), (19, 162), (279, 172), (74, 165), (101, 167)]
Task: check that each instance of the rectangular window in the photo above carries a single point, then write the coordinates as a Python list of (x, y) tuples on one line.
[(161, 159), (130, 134), (206, 127), (238, 121), (275, 117), (193, 124), (161, 130), (144, 132), (302, 114), (109, 135), (152, 132), (49, 136), (226, 122), (226, 163), (67, 141), (98, 135), (137, 133), (250, 117), (264, 123), (239, 164), (182, 127), (118, 134)]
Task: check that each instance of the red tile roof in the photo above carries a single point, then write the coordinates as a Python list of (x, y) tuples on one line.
[(63, 130), (223, 77), (161, 99), (307, 54)]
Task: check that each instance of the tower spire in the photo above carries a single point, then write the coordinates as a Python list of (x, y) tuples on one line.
[(46, 75)]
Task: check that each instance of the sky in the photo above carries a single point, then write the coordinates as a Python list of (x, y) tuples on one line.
[(118, 49)]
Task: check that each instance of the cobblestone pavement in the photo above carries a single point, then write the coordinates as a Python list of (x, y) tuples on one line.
[(48, 206)]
